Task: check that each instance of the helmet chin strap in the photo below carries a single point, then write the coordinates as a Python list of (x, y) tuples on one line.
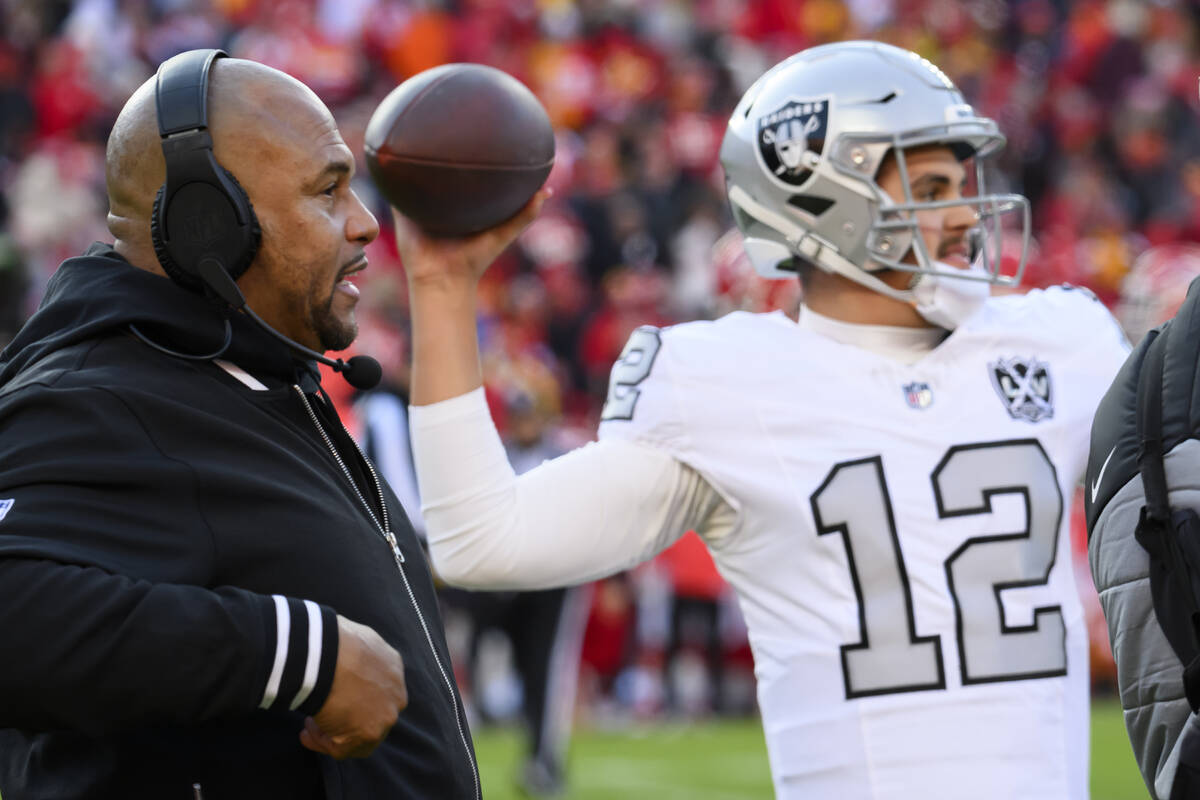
[(814, 248), (947, 301)]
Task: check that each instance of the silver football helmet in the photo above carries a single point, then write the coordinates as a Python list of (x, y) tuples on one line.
[(802, 150)]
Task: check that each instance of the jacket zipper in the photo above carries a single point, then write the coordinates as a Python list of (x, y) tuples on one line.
[(398, 557)]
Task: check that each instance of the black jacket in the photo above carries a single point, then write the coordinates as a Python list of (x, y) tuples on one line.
[(160, 523), (1144, 588)]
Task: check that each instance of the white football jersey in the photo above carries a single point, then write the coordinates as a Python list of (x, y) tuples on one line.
[(901, 552)]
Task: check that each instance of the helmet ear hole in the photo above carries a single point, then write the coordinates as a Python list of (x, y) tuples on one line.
[(810, 203)]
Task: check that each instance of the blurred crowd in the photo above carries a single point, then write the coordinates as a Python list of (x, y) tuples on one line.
[(1098, 99)]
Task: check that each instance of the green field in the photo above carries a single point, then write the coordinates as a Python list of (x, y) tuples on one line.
[(1115, 774), (728, 761)]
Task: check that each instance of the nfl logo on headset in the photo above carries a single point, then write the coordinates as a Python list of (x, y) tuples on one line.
[(202, 229), (791, 138), (5, 505), (918, 395)]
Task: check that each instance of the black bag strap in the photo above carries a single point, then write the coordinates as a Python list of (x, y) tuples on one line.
[(1149, 430), (1174, 564)]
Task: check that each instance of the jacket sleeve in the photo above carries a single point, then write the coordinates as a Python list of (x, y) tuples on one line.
[(110, 615), (1149, 674)]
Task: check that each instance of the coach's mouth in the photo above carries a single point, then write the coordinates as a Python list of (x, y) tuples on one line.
[(344, 284)]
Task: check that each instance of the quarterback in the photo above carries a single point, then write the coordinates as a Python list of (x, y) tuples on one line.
[(884, 482)]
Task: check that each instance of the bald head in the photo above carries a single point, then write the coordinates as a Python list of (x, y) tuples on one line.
[(280, 143), (259, 118)]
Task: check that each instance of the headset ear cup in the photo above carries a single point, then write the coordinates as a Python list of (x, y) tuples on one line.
[(169, 265), (253, 233)]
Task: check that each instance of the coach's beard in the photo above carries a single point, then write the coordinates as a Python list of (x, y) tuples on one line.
[(333, 332)]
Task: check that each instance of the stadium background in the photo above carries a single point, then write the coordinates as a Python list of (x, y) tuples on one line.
[(1098, 99)]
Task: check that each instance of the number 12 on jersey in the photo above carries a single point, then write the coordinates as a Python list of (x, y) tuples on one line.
[(891, 656)]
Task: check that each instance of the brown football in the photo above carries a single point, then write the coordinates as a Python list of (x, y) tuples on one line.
[(459, 148)]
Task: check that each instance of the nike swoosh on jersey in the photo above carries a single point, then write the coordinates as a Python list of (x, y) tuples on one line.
[(1099, 475)]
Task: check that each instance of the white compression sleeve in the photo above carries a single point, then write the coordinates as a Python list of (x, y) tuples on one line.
[(592, 512)]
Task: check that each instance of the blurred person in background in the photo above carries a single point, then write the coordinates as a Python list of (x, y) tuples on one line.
[(378, 418), (1154, 288), (13, 282), (882, 482), (545, 627), (695, 609)]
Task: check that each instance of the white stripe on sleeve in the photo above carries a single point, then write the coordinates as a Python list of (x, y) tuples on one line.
[(283, 625), (313, 666)]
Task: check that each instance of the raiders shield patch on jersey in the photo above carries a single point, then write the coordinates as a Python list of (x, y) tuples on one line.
[(1024, 387), (791, 138)]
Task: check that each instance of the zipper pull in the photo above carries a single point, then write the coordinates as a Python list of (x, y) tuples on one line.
[(396, 554)]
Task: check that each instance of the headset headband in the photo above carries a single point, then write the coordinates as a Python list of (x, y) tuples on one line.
[(181, 96)]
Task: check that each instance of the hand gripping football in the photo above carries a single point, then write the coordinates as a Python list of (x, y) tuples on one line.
[(459, 148)]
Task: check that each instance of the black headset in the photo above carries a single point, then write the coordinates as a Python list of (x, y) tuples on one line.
[(203, 226)]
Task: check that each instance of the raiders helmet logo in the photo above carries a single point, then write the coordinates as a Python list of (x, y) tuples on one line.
[(788, 134), (1024, 387)]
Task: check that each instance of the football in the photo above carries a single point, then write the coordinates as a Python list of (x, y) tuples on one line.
[(459, 148)]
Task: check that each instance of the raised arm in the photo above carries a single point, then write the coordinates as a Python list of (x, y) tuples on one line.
[(442, 278), (589, 513)]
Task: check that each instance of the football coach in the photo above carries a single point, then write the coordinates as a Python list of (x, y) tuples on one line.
[(206, 591)]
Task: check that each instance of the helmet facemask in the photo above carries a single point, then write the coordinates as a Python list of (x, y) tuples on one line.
[(894, 234)]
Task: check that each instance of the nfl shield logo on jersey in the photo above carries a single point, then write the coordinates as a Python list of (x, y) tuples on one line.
[(790, 133), (5, 505), (1024, 387), (918, 394)]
